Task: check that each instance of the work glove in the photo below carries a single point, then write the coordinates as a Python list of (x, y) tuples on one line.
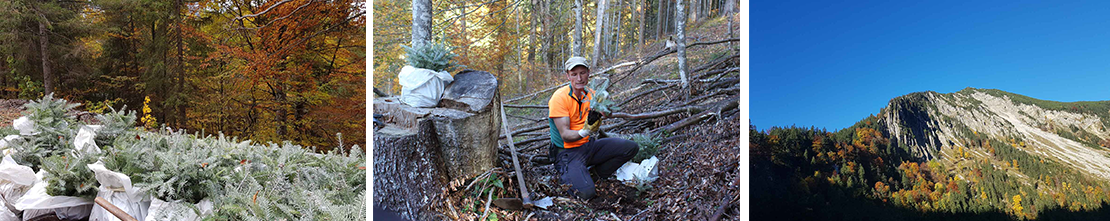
[(590, 129)]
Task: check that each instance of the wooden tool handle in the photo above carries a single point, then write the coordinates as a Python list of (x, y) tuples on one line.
[(113, 209), (516, 165)]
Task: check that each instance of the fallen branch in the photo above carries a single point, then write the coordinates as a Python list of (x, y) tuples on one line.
[(615, 216), (668, 81), (641, 94), (529, 215), (665, 52), (711, 64), (380, 93), (526, 106), (726, 202), (535, 93), (454, 215), (480, 177), (489, 200), (649, 115), (728, 104), (723, 83), (534, 139), (526, 118), (715, 93), (530, 129), (615, 67)]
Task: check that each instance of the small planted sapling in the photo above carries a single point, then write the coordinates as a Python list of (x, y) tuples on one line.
[(432, 56)]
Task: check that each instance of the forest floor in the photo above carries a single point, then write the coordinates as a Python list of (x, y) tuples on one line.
[(699, 168), (9, 111)]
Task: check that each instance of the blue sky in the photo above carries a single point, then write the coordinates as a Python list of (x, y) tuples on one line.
[(830, 64)]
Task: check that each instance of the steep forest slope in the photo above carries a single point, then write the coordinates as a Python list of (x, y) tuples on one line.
[(981, 153)]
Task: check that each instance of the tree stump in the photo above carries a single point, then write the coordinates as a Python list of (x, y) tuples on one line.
[(419, 150), (468, 123)]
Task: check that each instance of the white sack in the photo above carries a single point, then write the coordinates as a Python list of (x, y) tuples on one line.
[(177, 210), (7, 140), (85, 140), (36, 202), (116, 188), (24, 125), (422, 87)]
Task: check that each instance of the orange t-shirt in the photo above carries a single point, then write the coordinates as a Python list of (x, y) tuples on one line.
[(564, 104)]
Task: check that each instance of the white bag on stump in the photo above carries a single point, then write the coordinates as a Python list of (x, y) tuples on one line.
[(36, 203), (116, 188), (422, 87)]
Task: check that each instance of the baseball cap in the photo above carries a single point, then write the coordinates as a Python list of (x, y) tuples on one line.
[(575, 61)]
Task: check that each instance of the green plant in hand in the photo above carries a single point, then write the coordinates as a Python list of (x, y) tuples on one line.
[(601, 101)]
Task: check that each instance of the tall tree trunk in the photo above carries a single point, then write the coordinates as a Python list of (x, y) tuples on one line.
[(599, 29), (466, 39), (421, 21), (680, 31), (659, 19), (180, 91), (44, 42), (532, 33), (640, 32), (576, 46), (730, 9), (547, 38), (615, 40), (693, 12)]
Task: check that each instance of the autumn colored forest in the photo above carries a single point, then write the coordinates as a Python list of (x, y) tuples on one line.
[(265, 70), (525, 42)]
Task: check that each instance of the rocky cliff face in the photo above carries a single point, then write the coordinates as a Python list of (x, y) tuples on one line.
[(932, 124)]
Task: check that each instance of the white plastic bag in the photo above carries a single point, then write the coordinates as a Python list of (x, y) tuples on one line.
[(15, 173), (116, 188), (7, 140), (15, 180), (5, 214), (36, 203), (638, 172), (177, 210), (24, 125), (422, 87), (85, 140)]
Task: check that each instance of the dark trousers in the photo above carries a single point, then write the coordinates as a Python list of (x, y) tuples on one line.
[(605, 155)]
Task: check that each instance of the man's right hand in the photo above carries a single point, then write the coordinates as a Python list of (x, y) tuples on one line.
[(589, 129)]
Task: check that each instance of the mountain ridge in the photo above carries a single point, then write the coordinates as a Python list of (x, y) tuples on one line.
[(972, 152), (930, 122)]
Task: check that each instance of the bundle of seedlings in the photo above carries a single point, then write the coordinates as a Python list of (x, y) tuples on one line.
[(192, 176)]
